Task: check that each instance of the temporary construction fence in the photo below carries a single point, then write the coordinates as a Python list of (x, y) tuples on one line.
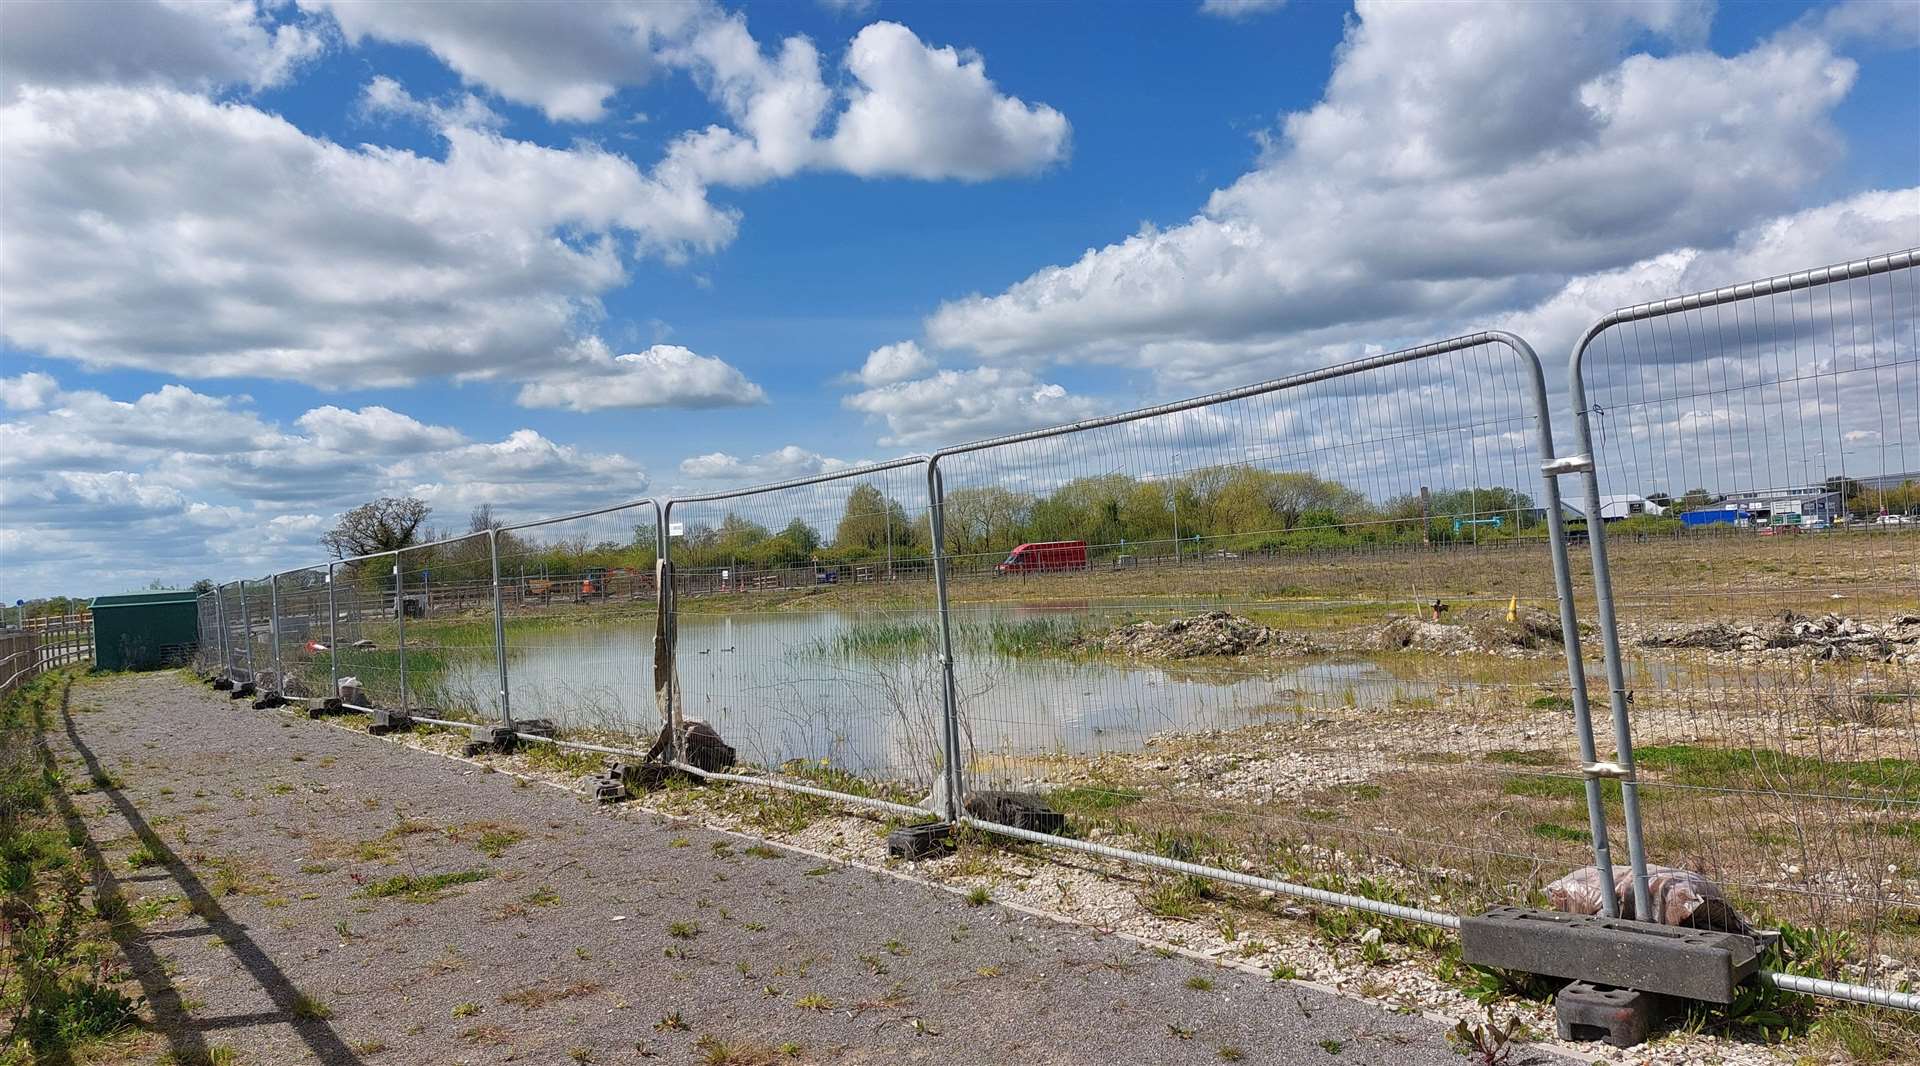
[(1781, 757), (845, 695), (30, 646), (1304, 636)]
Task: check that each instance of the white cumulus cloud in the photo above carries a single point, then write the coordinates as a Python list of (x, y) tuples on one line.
[(954, 406), (162, 230), (194, 44), (1429, 183), (791, 461), (894, 362), (665, 375)]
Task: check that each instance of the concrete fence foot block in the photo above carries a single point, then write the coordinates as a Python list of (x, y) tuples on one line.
[(389, 721), (1622, 1017), (241, 691), (491, 738), (916, 842)]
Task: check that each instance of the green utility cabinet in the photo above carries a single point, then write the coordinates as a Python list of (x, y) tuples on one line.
[(145, 630)]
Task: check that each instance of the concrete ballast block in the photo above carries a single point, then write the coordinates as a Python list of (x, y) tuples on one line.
[(1672, 960), (1622, 1017)]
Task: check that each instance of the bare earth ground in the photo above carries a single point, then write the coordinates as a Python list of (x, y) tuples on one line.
[(252, 847)]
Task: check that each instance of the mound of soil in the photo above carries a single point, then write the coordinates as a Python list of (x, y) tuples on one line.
[(1215, 633), (1830, 636), (1532, 629)]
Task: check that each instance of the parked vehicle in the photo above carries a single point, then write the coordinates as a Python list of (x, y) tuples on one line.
[(1046, 556)]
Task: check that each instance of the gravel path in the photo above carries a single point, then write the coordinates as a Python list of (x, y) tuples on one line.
[(259, 851)]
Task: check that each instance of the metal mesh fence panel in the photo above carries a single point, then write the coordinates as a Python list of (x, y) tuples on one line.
[(302, 658), (804, 628), (444, 628), (1758, 481), (1307, 628), (233, 608), (578, 596), (366, 629), (206, 656)]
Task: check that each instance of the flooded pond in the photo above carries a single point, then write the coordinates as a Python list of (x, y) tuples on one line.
[(783, 686)]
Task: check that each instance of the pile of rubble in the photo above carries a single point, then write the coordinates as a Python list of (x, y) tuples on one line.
[(1530, 629), (1213, 634), (1829, 636)]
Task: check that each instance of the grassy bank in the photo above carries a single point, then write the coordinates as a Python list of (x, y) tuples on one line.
[(64, 991)]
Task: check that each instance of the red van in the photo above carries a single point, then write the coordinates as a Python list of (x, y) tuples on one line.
[(1049, 555)]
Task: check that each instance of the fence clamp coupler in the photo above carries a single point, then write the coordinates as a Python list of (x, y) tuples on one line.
[(1605, 769), (1572, 464)]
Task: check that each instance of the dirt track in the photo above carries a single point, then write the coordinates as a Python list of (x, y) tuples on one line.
[(268, 840)]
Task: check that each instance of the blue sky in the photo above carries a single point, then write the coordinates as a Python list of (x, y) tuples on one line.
[(245, 215)]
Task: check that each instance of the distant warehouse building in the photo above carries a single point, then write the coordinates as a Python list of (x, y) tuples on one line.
[(1786, 507)]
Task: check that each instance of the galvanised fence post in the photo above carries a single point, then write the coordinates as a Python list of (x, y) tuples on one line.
[(400, 627), (333, 637), (953, 802), (499, 627), (273, 634), (666, 627), (1550, 469)]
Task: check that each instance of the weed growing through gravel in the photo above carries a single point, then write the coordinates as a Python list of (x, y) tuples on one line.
[(671, 1023), (683, 930), (717, 1052), (466, 1010), (426, 889), (1200, 984), (310, 1008), (543, 897), (813, 1001), (978, 895)]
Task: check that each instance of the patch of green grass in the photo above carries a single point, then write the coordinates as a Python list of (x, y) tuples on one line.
[(1178, 897), (1200, 984), (1697, 764), (426, 889), (1515, 757), (1543, 786), (1551, 831), (978, 895), (492, 842)]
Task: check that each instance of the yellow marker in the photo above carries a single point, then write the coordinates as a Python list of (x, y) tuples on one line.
[(1513, 610)]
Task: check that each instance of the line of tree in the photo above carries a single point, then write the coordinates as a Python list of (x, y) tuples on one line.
[(1222, 508)]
